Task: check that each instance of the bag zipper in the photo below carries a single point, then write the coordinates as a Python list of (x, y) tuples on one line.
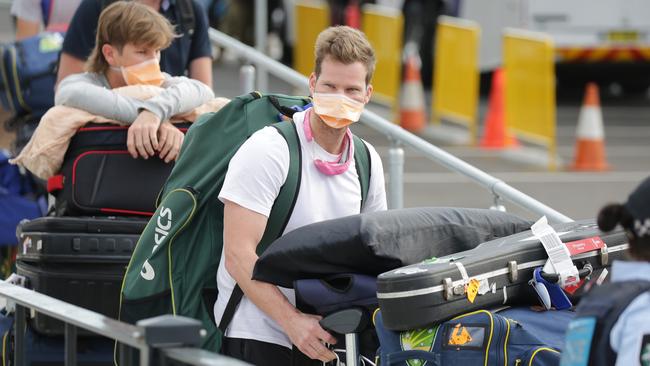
[(5, 78)]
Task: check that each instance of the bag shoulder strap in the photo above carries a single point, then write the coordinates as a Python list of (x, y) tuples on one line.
[(280, 212), (185, 12), (363, 163)]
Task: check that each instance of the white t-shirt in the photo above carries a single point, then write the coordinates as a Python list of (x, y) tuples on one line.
[(60, 16), (255, 175)]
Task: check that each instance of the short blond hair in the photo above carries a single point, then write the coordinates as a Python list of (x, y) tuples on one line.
[(346, 45), (128, 22)]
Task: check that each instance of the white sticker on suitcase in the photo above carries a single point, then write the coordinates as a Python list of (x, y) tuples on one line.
[(558, 253)]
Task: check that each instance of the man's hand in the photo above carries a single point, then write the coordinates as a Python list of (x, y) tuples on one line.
[(306, 333), (142, 138), (170, 139)]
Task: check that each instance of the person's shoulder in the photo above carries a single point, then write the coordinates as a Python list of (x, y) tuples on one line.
[(268, 134), (90, 7)]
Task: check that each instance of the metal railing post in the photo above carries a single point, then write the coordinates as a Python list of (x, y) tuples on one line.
[(261, 29), (19, 335), (395, 175), (497, 203), (352, 351), (125, 354), (247, 78), (70, 337), (167, 331)]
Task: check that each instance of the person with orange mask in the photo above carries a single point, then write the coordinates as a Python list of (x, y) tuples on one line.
[(265, 324), (130, 37)]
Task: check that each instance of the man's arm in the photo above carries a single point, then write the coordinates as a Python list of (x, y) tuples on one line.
[(201, 70), (26, 28), (79, 40), (243, 229), (68, 65), (29, 18), (200, 52)]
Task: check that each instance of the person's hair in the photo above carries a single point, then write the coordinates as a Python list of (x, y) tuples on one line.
[(346, 45), (615, 214), (128, 22)]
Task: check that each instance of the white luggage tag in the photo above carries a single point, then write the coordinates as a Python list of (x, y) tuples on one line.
[(558, 253)]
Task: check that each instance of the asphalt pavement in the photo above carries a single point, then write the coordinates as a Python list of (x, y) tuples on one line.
[(577, 195)]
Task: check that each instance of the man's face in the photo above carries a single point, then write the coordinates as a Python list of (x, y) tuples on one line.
[(339, 78), (131, 54)]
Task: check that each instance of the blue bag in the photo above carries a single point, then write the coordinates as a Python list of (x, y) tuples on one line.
[(18, 200), (477, 338), (28, 74)]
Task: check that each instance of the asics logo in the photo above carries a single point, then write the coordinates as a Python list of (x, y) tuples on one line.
[(163, 224)]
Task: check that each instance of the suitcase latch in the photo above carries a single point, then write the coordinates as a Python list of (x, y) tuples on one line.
[(448, 287), (513, 271), (604, 255)]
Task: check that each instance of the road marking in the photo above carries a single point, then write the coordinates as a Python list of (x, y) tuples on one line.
[(531, 177)]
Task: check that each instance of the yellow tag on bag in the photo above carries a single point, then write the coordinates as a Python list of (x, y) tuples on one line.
[(472, 289)]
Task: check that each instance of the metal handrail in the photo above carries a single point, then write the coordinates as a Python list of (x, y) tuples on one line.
[(77, 317), (397, 135)]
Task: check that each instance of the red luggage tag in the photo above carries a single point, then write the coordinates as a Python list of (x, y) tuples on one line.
[(585, 245), (582, 246)]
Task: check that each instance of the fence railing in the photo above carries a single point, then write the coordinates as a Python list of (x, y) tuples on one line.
[(395, 134), (158, 340)]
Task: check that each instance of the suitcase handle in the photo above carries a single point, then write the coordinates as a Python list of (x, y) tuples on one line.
[(586, 271)]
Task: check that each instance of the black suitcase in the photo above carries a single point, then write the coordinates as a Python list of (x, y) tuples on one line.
[(422, 294), (78, 260), (99, 176)]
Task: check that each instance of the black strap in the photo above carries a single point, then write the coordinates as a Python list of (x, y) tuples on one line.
[(363, 162), (286, 111), (281, 211), (231, 307)]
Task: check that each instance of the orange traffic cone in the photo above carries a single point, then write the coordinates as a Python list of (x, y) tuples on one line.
[(353, 14), (590, 135), (412, 115), (495, 135)]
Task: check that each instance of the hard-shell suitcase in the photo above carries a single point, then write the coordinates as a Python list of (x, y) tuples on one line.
[(421, 294), (100, 177), (80, 260)]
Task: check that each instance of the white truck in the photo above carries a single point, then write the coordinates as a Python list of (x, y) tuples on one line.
[(601, 40)]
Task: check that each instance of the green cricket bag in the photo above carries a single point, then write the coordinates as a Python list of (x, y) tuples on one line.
[(174, 265)]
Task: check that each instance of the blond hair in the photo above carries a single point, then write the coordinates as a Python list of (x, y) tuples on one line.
[(346, 45), (128, 22)]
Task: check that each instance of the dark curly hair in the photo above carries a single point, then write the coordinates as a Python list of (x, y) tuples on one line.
[(615, 214)]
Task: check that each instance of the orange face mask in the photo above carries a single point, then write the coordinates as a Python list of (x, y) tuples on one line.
[(147, 72), (337, 110)]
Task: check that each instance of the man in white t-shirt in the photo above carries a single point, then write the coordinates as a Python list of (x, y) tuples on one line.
[(266, 323)]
